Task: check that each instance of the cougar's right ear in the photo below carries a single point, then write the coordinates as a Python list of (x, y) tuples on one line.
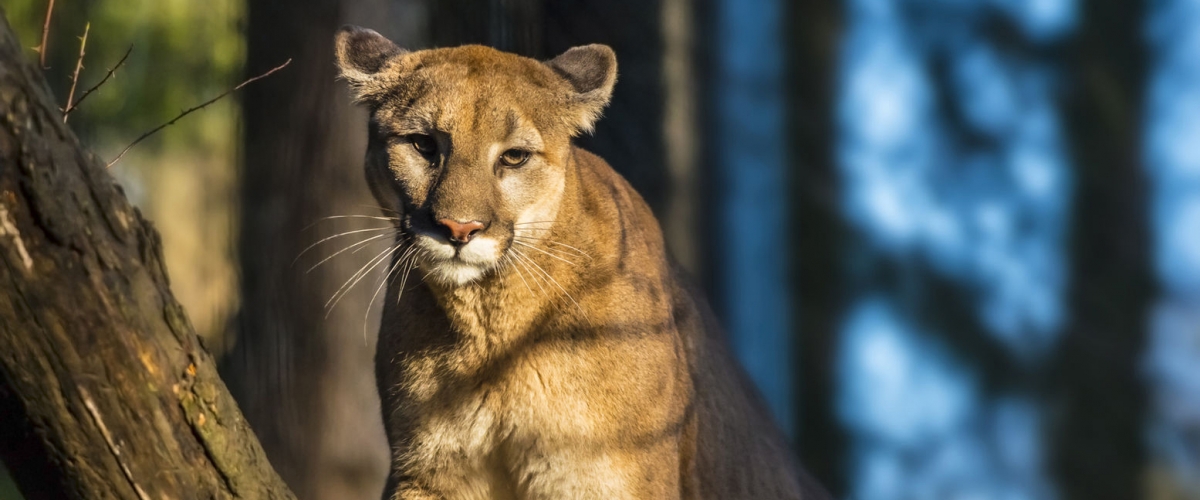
[(362, 56)]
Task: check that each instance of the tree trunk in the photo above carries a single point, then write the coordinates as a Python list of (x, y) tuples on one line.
[(105, 390), (305, 378), (1098, 438), (814, 30)]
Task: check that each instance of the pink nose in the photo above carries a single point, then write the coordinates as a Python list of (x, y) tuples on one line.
[(462, 232)]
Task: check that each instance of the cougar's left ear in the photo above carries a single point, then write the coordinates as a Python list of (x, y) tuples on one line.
[(362, 56), (592, 71)]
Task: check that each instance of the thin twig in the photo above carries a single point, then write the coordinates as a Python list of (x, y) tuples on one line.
[(78, 66), (45, 35), (201, 106), (97, 85)]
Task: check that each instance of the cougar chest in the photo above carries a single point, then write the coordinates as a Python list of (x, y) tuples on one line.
[(454, 425), (470, 420)]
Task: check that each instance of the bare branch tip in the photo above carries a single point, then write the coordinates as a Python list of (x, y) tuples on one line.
[(45, 34), (88, 92), (78, 66), (196, 108)]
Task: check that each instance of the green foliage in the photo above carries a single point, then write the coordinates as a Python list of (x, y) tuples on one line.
[(183, 52)]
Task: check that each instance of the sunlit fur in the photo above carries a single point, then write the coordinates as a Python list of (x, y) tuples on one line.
[(558, 355)]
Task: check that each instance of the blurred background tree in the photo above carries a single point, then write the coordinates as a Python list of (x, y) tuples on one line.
[(955, 242)]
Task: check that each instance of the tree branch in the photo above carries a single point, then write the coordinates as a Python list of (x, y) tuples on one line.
[(196, 108), (45, 35), (78, 66), (97, 85)]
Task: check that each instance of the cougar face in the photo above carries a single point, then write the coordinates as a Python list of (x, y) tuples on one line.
[(464, 181), (469, 144)]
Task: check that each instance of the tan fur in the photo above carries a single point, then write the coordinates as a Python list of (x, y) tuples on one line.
[(602, 376)]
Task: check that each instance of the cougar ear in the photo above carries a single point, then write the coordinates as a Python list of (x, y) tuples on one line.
[(592, 71), (361, 56)]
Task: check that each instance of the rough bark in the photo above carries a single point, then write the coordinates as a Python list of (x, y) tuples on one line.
[(105, 390)]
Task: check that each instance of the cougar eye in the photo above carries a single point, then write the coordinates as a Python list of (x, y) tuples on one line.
[(515, 157), (424, 144)]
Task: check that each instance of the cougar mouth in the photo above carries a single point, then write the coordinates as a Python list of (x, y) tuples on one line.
[(457, 263)]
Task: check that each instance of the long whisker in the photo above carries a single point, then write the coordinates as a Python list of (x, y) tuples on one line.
[(412, 262), (524, 233), (358, 276), (523, 260), (408, 255), (380, 208), (360, 245), (518, 242), (423, 253), (374, 217), (510, 260), (327, 238), (568, 248), (359, 249), (390, 272), (548, 240), (555, 282), (534, 222), (352, 279)]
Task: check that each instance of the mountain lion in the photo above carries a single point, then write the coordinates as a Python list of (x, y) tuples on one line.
[(551, 349)]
